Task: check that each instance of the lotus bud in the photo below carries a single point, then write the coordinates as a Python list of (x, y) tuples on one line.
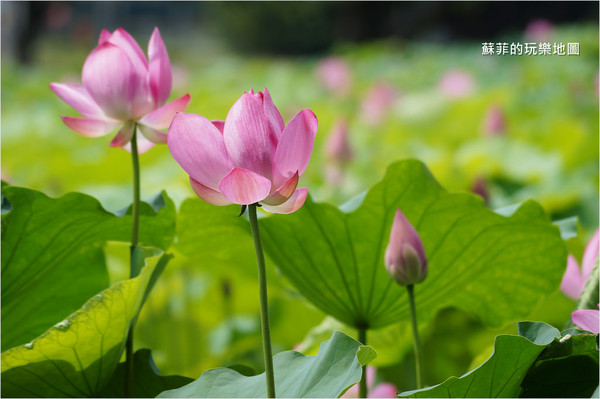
[(334, 73), (494, 123), (456, 84), (405, 259)]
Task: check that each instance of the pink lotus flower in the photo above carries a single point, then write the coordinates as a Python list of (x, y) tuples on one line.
[(405, 259), (382, 390), (251, 157), (335, 75), (574, 279), (539, 30), (121, 87), (379, 101), (587, 319), (337, 147), (456, 84), (493, 123)]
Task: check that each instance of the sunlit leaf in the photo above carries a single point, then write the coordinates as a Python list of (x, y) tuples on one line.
[(326, 375), (52, 257), (77, 356)]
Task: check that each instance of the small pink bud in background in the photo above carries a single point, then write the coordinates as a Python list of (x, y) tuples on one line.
[(378, 102), (494, 123), (479, 187), (587, 319), (335, 75), (574, 279), (122, 87), (405, 259), (539, 30), (337, 146), (456, 84)]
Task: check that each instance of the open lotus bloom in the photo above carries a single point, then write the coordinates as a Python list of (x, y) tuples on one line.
[(405, 258), (121, 87), (587, 319), (574, 279), (251, 157)]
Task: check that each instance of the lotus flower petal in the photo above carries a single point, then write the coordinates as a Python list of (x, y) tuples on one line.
[(589, 256), (153, 135), (572, 284), (89, 127), (244, 187), (143, 144), (122, 39), (384, 390), (219, 125), (104, 36), (112, 81), (78, 98), (124, 135), (587, 319), (197, 145), (295, 146), (294, 203), (162, 117), (248, 136), (160, 69), (273, 115), (284, 192), (208, 194)]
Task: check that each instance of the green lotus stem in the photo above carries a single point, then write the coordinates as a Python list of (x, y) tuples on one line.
[(362, 385), (264, 304), (415, 331), (134, 242)]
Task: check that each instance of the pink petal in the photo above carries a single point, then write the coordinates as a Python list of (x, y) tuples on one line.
[(127, 43), (208, 194), (249, 140), (589, 256), (384, 390), (124, 135), (104, 36), (78, 98), (162, 117), (284, 192), (197, 145), (572, 284), (273, 115), (89, 127), (161, 76), (143, 144), (153, 135), (219, 125), (587, 319), (112, 81), (295, 146), (244, 187), (291, 205)]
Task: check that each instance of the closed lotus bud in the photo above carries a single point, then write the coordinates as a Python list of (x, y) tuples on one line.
[(405, 259), (494, 123)]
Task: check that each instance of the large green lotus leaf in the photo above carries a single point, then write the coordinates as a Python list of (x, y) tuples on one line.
[(328, 374), (494, 266), (567, 368), (52, 257), (77, 356), (501, 375), (147, 381)]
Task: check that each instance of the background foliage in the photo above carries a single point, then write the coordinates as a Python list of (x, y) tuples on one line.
[(203, 312)]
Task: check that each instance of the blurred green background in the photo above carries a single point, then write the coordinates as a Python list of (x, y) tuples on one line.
[(406, 80)]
